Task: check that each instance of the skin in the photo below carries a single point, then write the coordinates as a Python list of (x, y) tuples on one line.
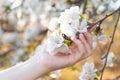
[(41, 64)]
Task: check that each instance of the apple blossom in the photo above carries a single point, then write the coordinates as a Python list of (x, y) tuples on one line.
[(53, 24), (10, 37), (1, 33), (56, 74), (111, 59), (89, 72), (16, 57), (69, 20), (57, 40), (32, 31), (102, 38)]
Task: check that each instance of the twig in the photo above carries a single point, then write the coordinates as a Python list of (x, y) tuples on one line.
[(101, 20), (85, 5), (112, 38), (5, 53), (117, 77)]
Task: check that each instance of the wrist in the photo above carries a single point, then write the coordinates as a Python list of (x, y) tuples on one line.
[(39, 61)]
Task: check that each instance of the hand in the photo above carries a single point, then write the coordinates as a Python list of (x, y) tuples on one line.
[(80, 50)]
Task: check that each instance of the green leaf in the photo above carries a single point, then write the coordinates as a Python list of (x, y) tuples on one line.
[(59, 31), (6, 7), (68, 42), (98, 73), (102, 0), (74, 68), (96, 78), (113, 59), (48, 74), (83, 17)]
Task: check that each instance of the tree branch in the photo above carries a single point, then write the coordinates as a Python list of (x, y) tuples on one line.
[(112, 38), (117, 77), (85, 5), (92, 26)]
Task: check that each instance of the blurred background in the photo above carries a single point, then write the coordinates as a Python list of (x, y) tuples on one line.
[(24, 25)]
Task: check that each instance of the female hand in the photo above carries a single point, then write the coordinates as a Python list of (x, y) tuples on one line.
[(80, 50)]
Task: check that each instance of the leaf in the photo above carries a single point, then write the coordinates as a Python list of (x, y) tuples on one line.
[(6, 7), (83, 17), (113, 59), (74, 68), (102, 0), (96, 78), (98, 73), (68, 42), (59, 31)]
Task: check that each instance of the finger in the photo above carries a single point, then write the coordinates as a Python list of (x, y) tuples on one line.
[(87, 46), (84, 49), (88, 37), (79, 44)]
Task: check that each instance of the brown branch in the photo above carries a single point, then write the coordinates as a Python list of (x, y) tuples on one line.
[(90, 28), (85, 5), (5, 53), (112, 38), (117, 77)]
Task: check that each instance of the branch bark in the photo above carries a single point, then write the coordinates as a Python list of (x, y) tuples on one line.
[(92, 26), (112, 38)]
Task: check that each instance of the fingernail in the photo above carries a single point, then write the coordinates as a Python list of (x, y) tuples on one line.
[(85, 33), (73, 38)]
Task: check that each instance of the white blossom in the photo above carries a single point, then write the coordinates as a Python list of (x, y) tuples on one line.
[(94, 44), (16, 3), (69, 20), (56, 74), (58, 4), (1, 33), (4, 3), (111, 59), (68, 30), (102, 38), (89, 72), (53, 24), (113, 5), (56, 44), (109, 5), (83, 24), (32, 31), (16, 57), (10, 37), (101, 8)]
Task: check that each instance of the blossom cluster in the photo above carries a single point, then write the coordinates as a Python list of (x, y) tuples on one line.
[(89, 72), (102, 5), (68, 24)]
